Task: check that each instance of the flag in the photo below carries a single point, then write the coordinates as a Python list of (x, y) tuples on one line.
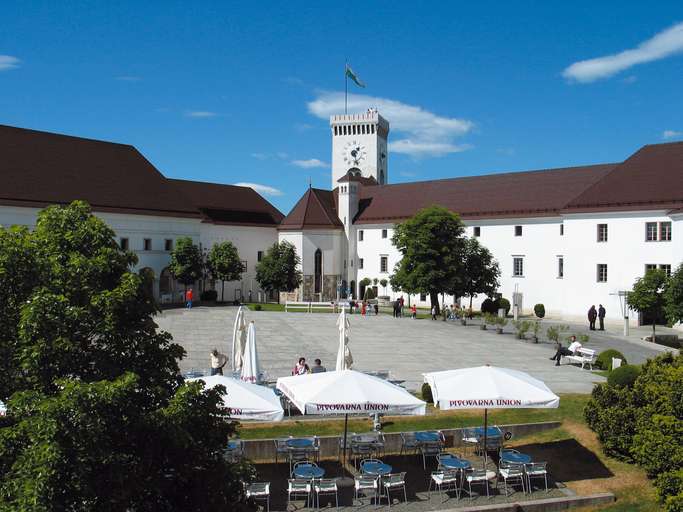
[(350, 74)]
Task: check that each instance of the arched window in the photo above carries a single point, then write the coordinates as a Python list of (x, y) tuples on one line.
[(318, 271)]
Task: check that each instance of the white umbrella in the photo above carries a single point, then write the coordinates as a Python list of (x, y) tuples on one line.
[(489, 387), (239, 335), (348, 392), (251, 369), (246, 401), (344, 357)]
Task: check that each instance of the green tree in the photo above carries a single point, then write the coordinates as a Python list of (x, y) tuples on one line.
[(224, 263), (278, 270), (383, 283), (673, 297), (187, 262), (432, 246), (477, 273), (647, 295)]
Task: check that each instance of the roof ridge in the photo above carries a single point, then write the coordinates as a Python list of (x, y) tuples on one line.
[(327, 214), (66, 135)]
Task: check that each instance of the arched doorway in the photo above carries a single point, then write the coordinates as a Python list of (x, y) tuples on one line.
[(166, 285), (147, 275), (318, 271), (343, 289), (352, 289)]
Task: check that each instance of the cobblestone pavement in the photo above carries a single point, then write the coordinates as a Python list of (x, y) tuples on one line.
[(404, 347)]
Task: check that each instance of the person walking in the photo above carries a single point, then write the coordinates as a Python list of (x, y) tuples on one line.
[(601, 315), (376, 309), (592, 316), (433, 312), (218, 361), (363, 309), (188, 298)]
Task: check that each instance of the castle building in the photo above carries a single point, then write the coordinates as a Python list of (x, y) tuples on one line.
[(566, 238)]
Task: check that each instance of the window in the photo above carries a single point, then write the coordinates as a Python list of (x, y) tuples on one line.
[(423, 297), (667, 269), (384, 233), (518, 266), (518, 230), (561, 229), (168, 244), (477, 231), (244, 265), (383, 264), (360, 235), (665, 231), (560, 267), (602, 273), (259, 255), (650, 266), (602, 232), (124, 244), (650, 231), (360, 263), (147, 244)]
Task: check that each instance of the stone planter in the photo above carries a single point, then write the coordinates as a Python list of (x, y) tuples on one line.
[(499, 330), (534, 339), (482, 327)]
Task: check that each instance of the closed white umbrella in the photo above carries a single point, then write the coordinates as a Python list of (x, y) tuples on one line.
[(251, 369), (344, 357), (239, 337), (246, 401), (489, 387)]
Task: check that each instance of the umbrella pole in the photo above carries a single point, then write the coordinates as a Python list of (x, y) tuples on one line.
[(346, 428), (486, 431)]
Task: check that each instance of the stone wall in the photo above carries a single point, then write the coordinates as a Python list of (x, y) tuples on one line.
[(329, 288)]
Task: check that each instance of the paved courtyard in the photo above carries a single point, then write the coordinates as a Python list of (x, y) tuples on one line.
[(404, 347)]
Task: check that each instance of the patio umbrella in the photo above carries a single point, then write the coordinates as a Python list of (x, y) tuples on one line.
[(251, 369), (246, 401), (344, 357), (239, 335), (348, 392), (488, 387)]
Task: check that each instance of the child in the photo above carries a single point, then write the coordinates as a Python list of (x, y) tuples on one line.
[(413, 311)]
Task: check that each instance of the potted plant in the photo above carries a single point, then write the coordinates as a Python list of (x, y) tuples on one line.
[(555, 331), (485, 319), (521, 326), (535, 328), (501, 322)]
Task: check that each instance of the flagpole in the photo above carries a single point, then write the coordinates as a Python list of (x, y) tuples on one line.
[(346, 88)]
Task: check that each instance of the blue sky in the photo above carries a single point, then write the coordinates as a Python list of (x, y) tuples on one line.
[(234, 93)]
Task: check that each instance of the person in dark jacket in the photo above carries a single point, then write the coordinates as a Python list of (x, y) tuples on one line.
[(592, 316), (601, 315)]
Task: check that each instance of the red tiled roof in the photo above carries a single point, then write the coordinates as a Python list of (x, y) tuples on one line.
[(651, 178), (369, 181), (229, 204), (317, 209), (517, 194)]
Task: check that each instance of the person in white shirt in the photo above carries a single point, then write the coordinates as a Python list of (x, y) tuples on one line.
[(562, 351), (218, 361)]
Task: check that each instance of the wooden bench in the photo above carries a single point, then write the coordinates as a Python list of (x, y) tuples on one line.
[(583, 356), (331, 306), (297, 305), (310, 306)]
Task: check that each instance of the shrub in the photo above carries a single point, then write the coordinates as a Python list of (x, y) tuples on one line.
[(502, 303), (258, 307), (610, 413), (670, 485), (522, 326), (624, 376), (209, 295), (369, 293), (427, 393), (488, 306), (554, 331), (539, 310), (604, 359)]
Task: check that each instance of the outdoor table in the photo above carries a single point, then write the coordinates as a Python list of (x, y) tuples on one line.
[(308, 472), (454, 463), (427, 437), (515, 458), (299, 443), (491, 432), (232, 445), (376, 468)]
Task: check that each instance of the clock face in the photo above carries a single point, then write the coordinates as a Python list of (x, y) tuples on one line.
[(354, 153)]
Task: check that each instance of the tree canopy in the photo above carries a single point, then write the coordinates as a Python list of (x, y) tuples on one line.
[(187, 264), (478, 273), (647, 295), (279, 270), (673, 297), (224, 263)]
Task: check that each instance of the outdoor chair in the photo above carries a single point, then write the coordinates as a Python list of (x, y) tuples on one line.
[(325, 487), (301, 463), (360, 450), (234, 454), (445, 480), (363, 484), (429, 450), (297, 487), (296, 456), (408, 442), (477, 476), (259, 491), (281, 447), (536, 470), (513, 473), (392, 482), (469, 437)]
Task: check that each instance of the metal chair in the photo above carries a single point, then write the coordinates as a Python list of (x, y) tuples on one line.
[(365, 483), (365, 461), (259, 491), (469, 437), (430, 450), (326, 486), (447, 479), (536, 470), (236, 453), (281, 447), (392, 482), (298, 487), (360, 450), (408, 442), (477, 476), (512, 472), (295, 456), (301, 463)]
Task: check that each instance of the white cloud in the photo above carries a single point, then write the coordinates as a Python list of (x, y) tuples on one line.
[(259, 156), (423, 133), (8, 62), (128, 78), (200, 114), (310, 163), (671, 134), (665, 43), (261, 189)]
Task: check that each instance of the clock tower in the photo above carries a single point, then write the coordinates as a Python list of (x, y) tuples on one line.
[(359, 143)]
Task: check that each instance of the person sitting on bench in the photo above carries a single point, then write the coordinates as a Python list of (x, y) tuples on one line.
[(569, 351)]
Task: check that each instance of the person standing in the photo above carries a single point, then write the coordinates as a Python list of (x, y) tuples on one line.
[(188, 298), (433, 312), (218, 361), (363, 309), (592, 315), (401, 303), (601, 315), (376, 309), (413, 311)]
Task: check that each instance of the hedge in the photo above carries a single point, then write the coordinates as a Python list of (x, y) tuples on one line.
[(604, 360), (624, 376)]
